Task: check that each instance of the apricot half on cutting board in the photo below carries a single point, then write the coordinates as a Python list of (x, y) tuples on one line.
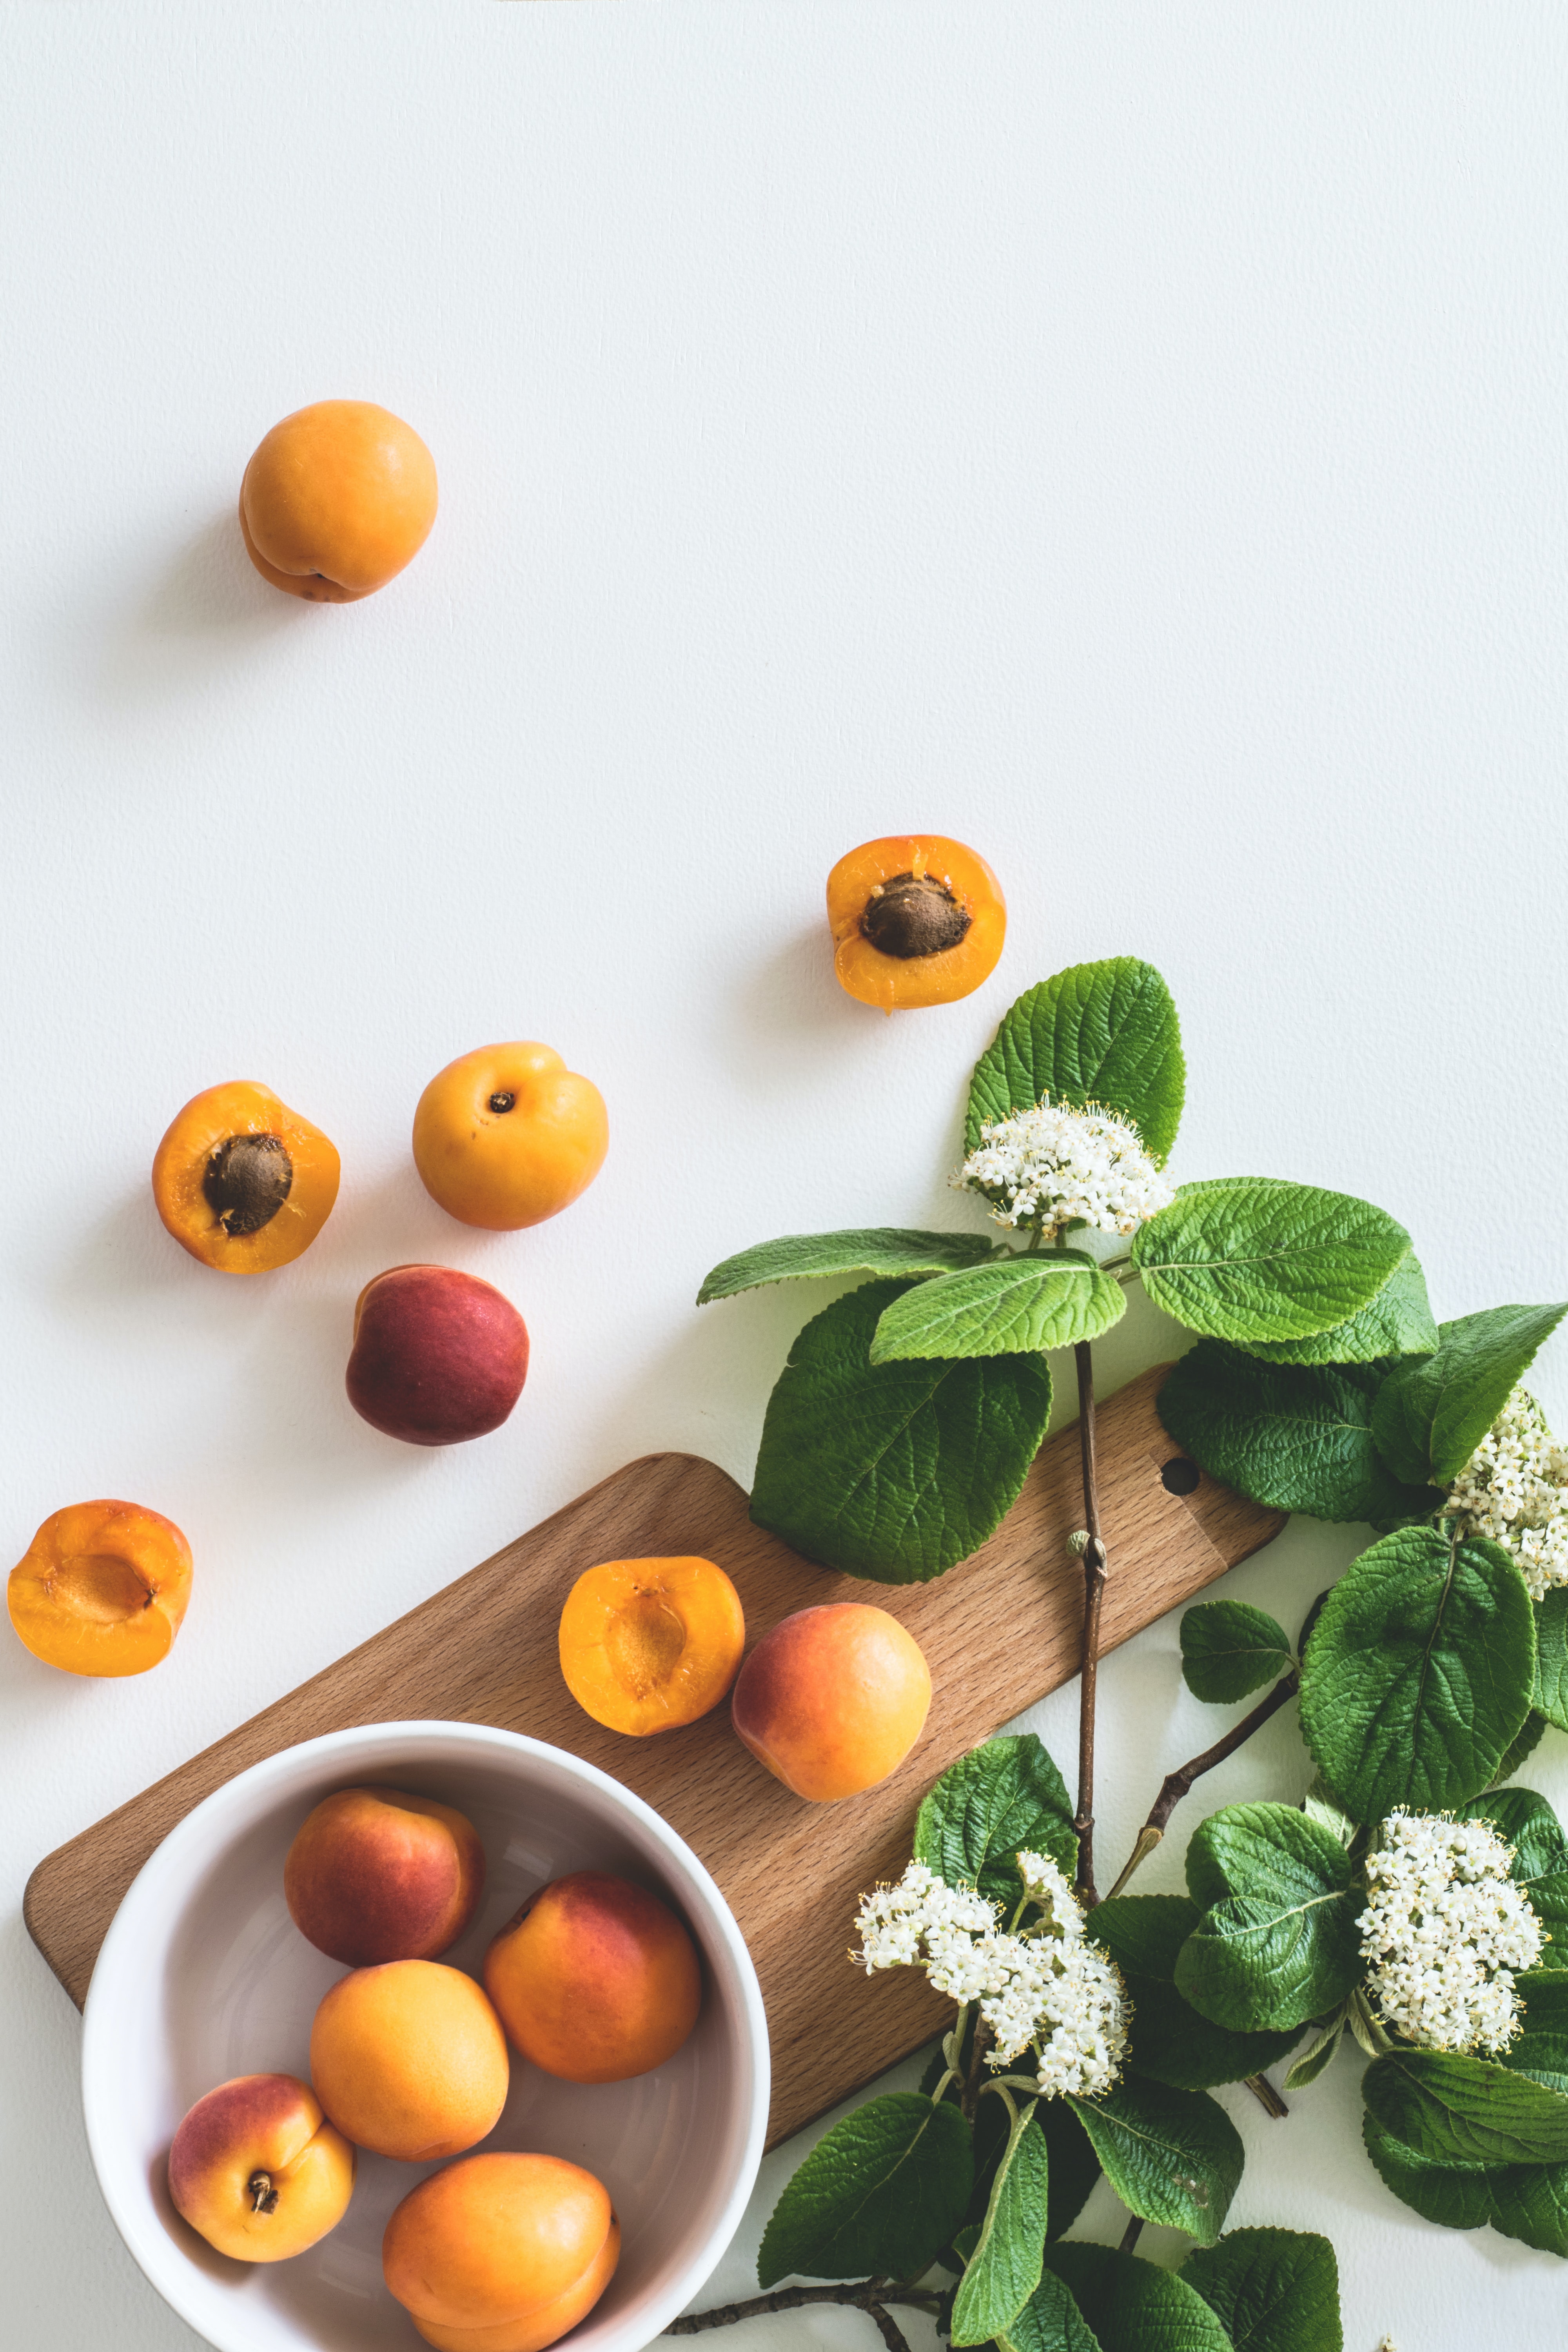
[(102, 1589), (648, 1644), (916, 920), (336, 499), (242, 1182), (508, 1136)]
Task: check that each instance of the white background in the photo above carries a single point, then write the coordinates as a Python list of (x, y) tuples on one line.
[(1128, 438)]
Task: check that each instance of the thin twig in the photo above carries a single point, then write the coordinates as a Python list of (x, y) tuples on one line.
[(892, 2334), (1130, 2235), (1266, 2096), (858, 2295), (973, 2083), (1178, 1784), (1094, 1574)]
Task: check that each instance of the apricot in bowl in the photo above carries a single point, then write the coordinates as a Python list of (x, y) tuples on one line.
[(243, 1182), (916, 920), (259, 2170), (501, 2252), (438, 1356), (508, 1136), (409, 2060), (376, 1875), (833, 1699), (649, 1644), (336, 499), (102, 1589), (594, 1979)]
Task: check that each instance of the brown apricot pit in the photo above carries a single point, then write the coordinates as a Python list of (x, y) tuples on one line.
[(248, 1179), (913, 915)]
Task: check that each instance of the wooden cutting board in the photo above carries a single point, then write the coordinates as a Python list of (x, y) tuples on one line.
[(999, 1632)]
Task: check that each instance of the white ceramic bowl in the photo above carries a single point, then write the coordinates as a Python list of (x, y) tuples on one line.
[(202, 1975)]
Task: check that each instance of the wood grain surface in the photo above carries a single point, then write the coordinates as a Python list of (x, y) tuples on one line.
[(999, 1632)]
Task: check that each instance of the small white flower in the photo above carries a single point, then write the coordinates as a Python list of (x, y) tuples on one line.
[(1052, 1165), (1514, 1488), (1446, 1930)]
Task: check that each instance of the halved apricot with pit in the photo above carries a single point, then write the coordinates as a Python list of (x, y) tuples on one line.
[(916, 920), (102, 1589), (243, 1182), (647, 1644)]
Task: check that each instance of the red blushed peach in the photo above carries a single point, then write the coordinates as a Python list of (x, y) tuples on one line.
[(501, 2253), (833, 1699), (439, 1356), (258, 2169), (409, 2060), (374, 1875), (594, 1979)]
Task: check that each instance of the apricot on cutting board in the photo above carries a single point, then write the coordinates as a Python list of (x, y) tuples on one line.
[(594, 1979), (508, 1136), (409, 2060), (257, 2167), (916, 920), (647, 1644), (438, 1357), (501, 2252), (102, 1589), (243, 1182), (833, 1699), (336, 499), (374, 1875)]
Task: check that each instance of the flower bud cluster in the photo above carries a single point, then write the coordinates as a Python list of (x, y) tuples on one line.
[(1514, 1488), (1052, 1166), (1445, 1930)]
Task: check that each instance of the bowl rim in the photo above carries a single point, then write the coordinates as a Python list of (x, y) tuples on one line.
[(161, 2261)]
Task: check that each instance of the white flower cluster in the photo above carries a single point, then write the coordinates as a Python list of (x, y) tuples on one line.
[(1514, 1488), (1047, 1987), (1445, 1931), (1051, 1165)]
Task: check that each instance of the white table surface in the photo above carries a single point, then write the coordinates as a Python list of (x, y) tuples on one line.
[(1130, 440)]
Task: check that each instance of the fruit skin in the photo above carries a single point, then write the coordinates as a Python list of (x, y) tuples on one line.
[(501, 2253), (102, 1589), (269, 2123), (594, 1979), (516, 1166), (336, 499), (893, 983), (648, 1644), (439, 1356), (833, 1699), (242, 1107), (409, 2060), (375, 1874)]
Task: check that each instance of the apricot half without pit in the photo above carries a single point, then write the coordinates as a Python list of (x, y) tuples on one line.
[(241, 1181), (102, 1589), (336, 499)]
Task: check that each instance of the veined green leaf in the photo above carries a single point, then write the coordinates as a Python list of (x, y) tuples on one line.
[(876, 2197), (1526, 1822), (1103, 1033), (1229, 1648), (1249, 1257), (1431, 1416), (1419, 1672), (1321, 2056), (1134, 2306), (1277, 1942), (1540, 2048), (1075, 2167), (892, 1471), (1171, 2157), (885, 1250), (1468, 2111), (1398, 1322), (1050, 2322), (1172, 2041), (1527, 2201), (1551, 1656), (1016, 1305), (1525, 1743), (999, 1801), (1005, 2269), (1271, 2290)]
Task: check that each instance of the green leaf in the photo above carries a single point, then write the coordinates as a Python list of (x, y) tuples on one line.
[(1320, 2056), (1419, 1674), (1229, 1648), (1170, 2041), (1050, 2322), (1171, 2157), (1278, 1943), (1017, 1306), (1271, 2290), (999, 1801), (1431, 1416), (1529, 1738), (1005, 2269), (1249, 1257), (1295, 1438), (892, 1471), (884, 1250), (1526, 1822), (1527, 2202), (1397, 1322), (1103, 1033), (1135, 2307), (1467, 2110), (1551, 1656), (1075, 2168), (1540, 2048), (877, 2196)]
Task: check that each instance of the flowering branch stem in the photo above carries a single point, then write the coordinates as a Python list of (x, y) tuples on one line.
[(1094, 1575), (858, 2295), (973, 2081), (1130, 2235), (1178, 1784)]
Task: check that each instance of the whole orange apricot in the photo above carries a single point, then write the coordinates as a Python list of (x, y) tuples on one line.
[(508, 1136), (648, 1644), (916, 920), (409, 2060), (242, 1182), (259, 2170), (596, 1979), (501, 2252), (101, 1589), (833, 1699), (336, 499), (375, 1874)]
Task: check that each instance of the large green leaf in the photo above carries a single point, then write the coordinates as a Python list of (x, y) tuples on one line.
[(1297, 1437), (1527, 1740), (1103, 1033), (1017, 1306), (892, 1471), (1457, 2110), (1526, 1822), (1419, 1672), (885, 1250), (1005, 2269), (1135, 2307), (1271, 2290), (1431, 1416), (1050, 2322), (999, 1801), (1540, 2048), (1229, 1648), (877, 2196), (1170, 2041), (1527, 2202), (1171, 2157), (1551, 1656), (1250, 1257), (1277, 1942), (1075, 2167), (1398, 1322)]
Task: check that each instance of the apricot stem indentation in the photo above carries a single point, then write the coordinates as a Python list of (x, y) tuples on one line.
[(263, 2196)]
